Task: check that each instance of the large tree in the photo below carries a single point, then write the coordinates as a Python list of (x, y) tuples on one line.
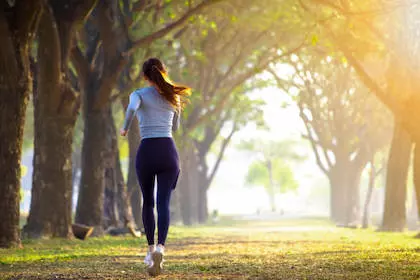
[(345, 125), (18, 24), (56, 105), (399, 160), (386, 38)]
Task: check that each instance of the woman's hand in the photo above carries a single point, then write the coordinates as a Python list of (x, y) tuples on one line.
[(123, 132)]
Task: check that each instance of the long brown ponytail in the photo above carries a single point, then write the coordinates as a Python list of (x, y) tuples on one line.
[(175, 94)]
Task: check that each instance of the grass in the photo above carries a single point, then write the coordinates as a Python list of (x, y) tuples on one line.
[(284, 249)]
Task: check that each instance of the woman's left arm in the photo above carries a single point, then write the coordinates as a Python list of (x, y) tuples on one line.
[(133, 106), (176, 120)]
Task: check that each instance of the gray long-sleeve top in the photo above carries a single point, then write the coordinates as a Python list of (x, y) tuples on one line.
[(157, 118)]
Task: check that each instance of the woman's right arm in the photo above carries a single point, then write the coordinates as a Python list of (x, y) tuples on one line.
[(133, 106)]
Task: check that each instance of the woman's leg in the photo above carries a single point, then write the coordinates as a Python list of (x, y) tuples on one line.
[(166, 183), (147, 183), (146, 179)]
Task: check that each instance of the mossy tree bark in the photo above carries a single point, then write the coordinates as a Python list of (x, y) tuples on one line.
[(18, 23)]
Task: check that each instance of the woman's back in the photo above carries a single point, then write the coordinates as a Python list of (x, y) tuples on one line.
[(157, 117)]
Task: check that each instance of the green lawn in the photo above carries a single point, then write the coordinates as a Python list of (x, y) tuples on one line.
[(288, 249)]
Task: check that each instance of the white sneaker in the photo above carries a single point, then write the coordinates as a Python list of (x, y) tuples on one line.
[(160, 248), (148, 259), (156, 262)]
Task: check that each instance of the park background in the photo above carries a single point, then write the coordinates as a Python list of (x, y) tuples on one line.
[(298, 145)]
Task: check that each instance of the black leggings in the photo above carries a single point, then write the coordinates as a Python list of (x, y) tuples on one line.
[(157, 158)]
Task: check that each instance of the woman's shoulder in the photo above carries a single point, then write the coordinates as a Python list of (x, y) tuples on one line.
[(139, 92), (143, 91)]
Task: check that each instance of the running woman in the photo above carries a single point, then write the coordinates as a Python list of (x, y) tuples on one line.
[(157, 108)]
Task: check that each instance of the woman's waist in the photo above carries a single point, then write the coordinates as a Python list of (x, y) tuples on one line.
[(158, 147), (157, 140), (155, 132)]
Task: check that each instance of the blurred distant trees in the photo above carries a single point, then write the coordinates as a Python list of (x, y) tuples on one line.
[(377, 165), (271, 168), (218, 57), (345, 126), (379, 42)]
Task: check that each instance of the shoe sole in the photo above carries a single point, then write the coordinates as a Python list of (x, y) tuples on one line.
[(156, 268)]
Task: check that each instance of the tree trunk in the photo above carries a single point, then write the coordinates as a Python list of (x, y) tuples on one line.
[(366, 208), (111, 214), (203, 211), (271, 197), (193, 183), (270, 191), (345, 196), (175, 207), (416, 176), (133, 187), (185, 200), (202, 184), (185, 188), (51, 201), (98, 76), (89, 209), (117, 209), (111, 217), (123, 203), (337, 200), (204, 176), (394, 218), (412, 217), (54, 119), (353, 212), (14, 92)]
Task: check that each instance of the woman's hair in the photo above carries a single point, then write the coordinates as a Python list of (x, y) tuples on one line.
[(175, 94)]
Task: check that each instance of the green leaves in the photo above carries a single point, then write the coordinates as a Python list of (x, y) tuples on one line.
[(281, 174), (314, 39), (272, 166)]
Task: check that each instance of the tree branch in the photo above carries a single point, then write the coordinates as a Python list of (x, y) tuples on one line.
[(225, 143), (28, 15), (238, 81), (108, 82), (312, 141), (81, 65), (363, 13), (365, 77), (165, 30)]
